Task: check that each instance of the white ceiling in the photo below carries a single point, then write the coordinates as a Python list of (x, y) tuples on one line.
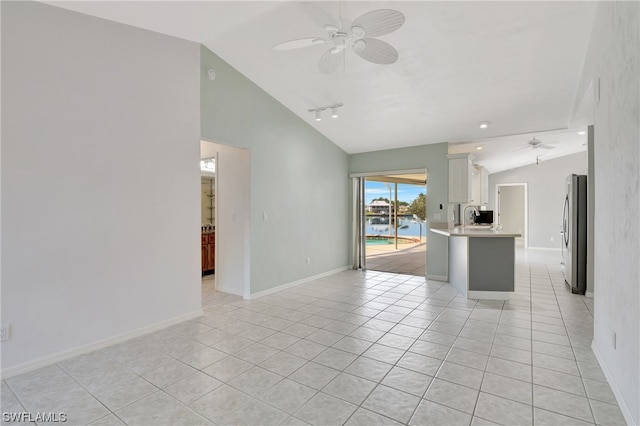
[(509, 152), (514, 64)]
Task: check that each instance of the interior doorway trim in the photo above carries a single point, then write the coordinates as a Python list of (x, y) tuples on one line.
[(233, 217), (526, 207)]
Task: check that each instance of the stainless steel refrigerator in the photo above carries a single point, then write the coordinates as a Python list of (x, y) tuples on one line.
[(574, 233)]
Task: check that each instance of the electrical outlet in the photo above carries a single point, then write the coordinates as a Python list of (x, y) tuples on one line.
[(4, 332), (308, 261), (552, 239)]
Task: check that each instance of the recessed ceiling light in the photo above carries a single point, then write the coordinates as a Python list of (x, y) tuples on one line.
[(478, 148), (582, 132), (484, 124)]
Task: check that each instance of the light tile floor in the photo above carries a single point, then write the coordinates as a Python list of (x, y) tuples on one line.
[(354, 348)]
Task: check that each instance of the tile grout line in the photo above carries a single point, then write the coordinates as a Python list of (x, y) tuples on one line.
[(572, 350)]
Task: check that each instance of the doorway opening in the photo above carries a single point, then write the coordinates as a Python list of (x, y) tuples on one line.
[(393, 230), (512, 210), (225, 217)]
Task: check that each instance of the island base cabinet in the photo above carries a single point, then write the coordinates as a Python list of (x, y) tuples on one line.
[(482, 268), (491, 267)]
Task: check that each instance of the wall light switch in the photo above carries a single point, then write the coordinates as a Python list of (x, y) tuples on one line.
[(265, 216)]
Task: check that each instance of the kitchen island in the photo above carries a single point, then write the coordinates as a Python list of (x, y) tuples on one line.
[(481, 261)]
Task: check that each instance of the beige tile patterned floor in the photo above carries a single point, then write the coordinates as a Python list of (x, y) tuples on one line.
[(354, 348)]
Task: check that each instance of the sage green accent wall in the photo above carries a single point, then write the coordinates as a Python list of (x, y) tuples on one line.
[(299, 178), (434, 159)]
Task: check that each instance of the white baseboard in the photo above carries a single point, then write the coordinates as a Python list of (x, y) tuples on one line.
[(488, 295), (295, 283), (437, 277), (544, 248), (229, 290), (90, 347), (626, 411)]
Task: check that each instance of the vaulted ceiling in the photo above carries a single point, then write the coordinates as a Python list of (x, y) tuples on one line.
[(513, 64)]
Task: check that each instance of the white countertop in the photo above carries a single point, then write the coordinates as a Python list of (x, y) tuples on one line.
[(471, 231)]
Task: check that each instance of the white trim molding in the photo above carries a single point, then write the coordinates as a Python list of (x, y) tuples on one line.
[(388, 172), (285, 286), (437, 277), (624, 408), (229, 290), (90, 347), (488, 295)]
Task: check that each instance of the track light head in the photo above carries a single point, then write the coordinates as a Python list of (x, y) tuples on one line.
[(333, 108)]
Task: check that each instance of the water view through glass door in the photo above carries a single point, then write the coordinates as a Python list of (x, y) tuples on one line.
[(395, 228)]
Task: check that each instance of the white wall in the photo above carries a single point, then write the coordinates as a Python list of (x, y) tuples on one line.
[(299, 179), (512, 208), (434, 159), (545, 187), (233, 220), (90, 110), (613, 57)]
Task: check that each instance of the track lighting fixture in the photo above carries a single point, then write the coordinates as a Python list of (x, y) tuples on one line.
[(333, 108)]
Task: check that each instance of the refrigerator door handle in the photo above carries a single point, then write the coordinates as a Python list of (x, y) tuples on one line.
[(565, 220)]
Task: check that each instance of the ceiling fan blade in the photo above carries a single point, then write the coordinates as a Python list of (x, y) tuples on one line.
[(379, 22), (329, 61), (543, 146), (299, 43), (377, 51), (319, 15)]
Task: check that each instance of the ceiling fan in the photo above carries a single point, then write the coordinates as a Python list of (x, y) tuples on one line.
[(537, 144), (342, 34)]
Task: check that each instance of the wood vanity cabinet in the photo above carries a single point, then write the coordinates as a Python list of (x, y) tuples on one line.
[(208, 252)]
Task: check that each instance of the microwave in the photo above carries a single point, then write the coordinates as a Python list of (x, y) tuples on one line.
[(484, 217)]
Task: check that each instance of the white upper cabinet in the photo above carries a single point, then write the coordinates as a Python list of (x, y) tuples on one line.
[(468, 184), (460, 178), (484, 186), (480, 192)]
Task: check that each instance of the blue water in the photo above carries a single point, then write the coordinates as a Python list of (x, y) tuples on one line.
[(381, 226)]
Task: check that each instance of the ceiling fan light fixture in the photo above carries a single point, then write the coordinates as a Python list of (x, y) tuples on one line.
[(318, 115), (358, 31), (334, 112), (359, 45), (342, 33), (484, 124)]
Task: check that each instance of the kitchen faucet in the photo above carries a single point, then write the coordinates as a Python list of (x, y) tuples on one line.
[(464, 213)]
